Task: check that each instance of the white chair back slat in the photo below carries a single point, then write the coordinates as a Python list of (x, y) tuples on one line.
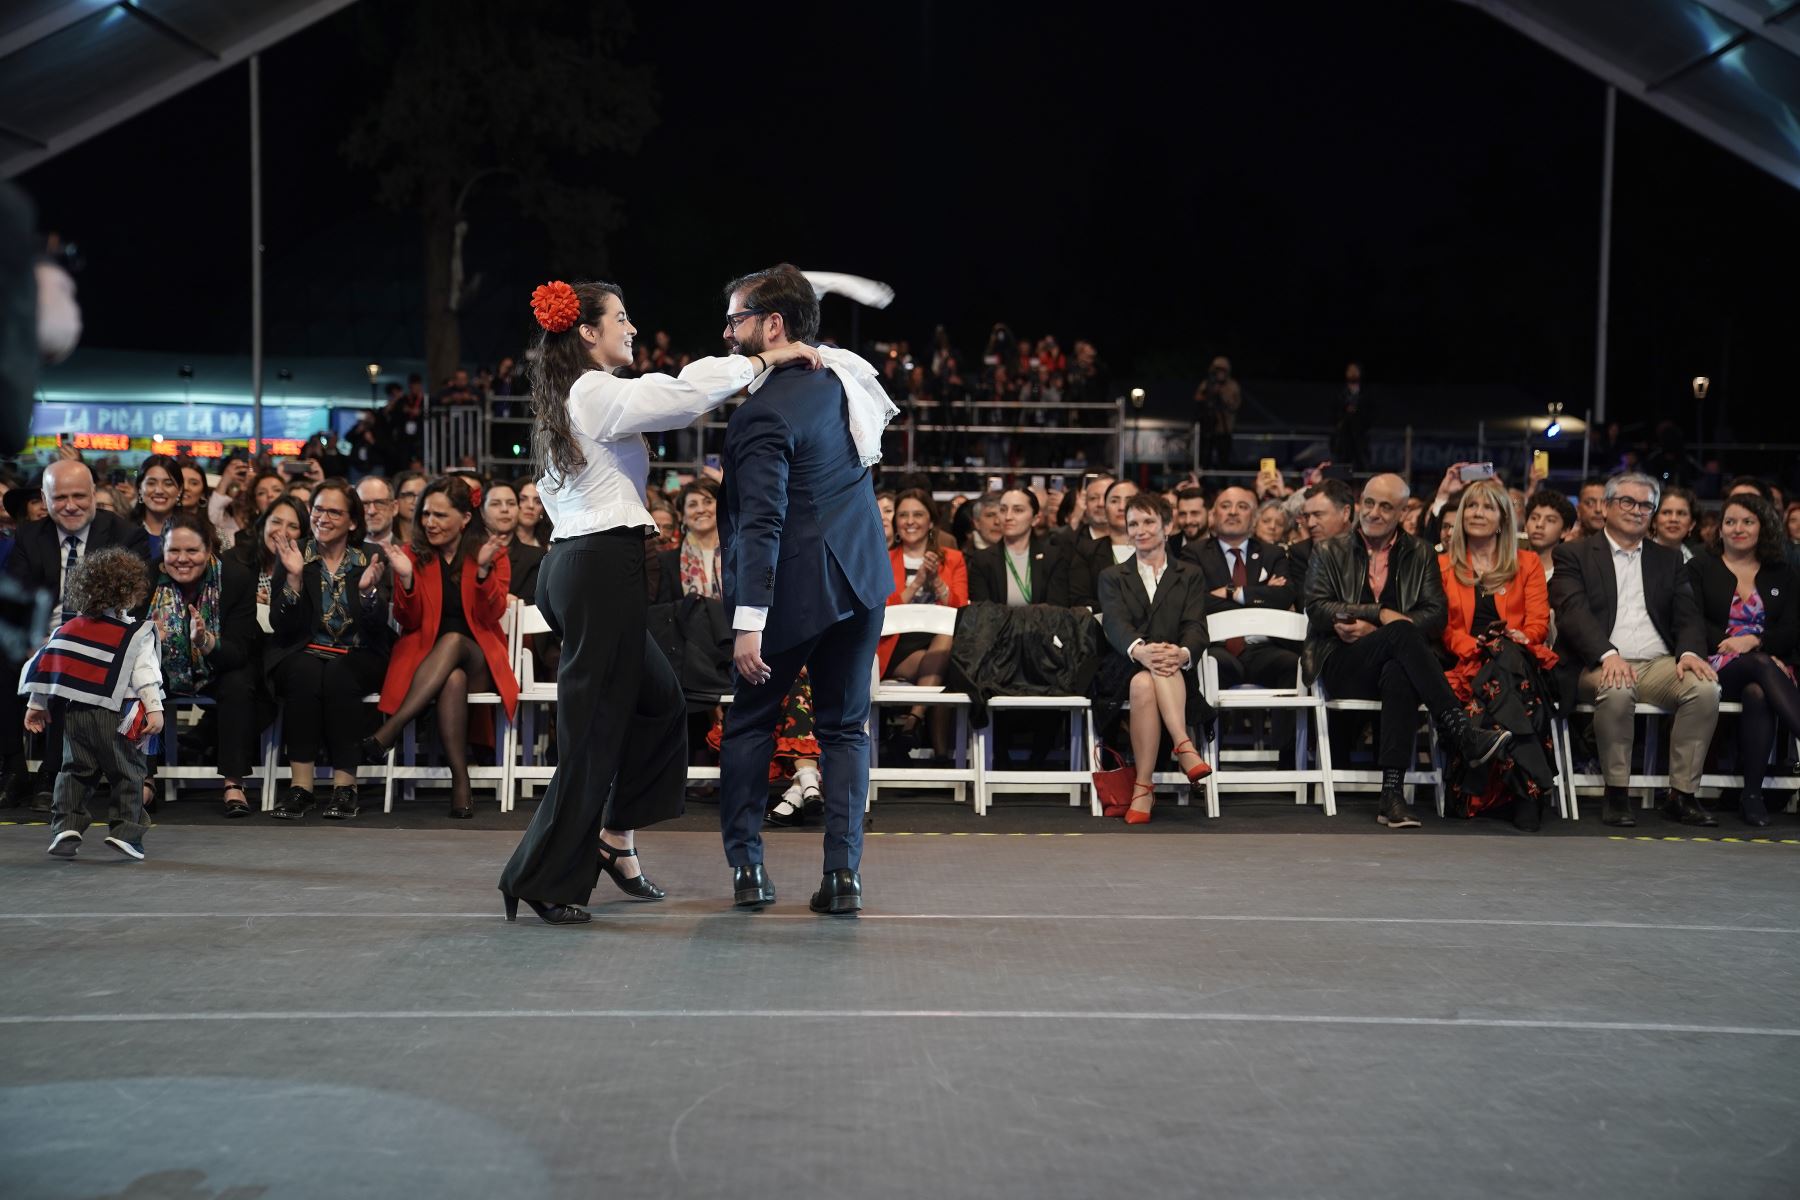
[(918, 618), (1256, 622)]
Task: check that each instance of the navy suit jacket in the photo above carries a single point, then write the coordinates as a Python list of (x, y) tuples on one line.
[(801, 531)]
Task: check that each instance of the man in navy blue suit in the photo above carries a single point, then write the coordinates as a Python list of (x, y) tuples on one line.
[(806, 579)]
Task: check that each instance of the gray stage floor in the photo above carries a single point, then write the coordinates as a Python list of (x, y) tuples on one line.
[(343, 1013)]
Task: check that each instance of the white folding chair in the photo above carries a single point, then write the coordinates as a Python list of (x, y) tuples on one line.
[(525, 756), (1647, 782), (1363, 780), (1307, 706), (934, 619)]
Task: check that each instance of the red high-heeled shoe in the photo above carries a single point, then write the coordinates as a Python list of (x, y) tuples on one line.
[(1199, 770), (1135, 816)]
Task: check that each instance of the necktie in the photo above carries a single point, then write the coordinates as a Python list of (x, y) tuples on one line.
[(1239, 577), (74, 545)]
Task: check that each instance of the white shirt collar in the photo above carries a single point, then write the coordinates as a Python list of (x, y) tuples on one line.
[(1618, 549)]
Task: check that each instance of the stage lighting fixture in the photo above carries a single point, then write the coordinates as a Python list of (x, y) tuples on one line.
[(1701, 384), (1137, 397), (1554, 428)]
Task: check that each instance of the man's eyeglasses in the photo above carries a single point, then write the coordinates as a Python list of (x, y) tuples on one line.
[(733, 320), (1632, 504)]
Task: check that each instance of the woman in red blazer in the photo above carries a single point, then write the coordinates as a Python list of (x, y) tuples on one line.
[(1498, 599), (450, 642), (924, 573)]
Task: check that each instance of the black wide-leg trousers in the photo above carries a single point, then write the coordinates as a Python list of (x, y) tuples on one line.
[(621, 719)]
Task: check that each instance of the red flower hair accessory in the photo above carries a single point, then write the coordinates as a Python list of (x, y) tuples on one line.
[(555, 305)]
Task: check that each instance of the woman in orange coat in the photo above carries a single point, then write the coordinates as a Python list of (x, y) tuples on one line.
[(450, 642), (1499, 616), (923, 574)]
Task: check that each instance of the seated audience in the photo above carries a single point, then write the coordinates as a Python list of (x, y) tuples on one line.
[(1498, 619), (377, 496), (1110, 549), (450, 593), (884, 500), (1024, 567), (984, 528), (1089, 533), (1674, 522), (159, 495), (500, 513), (203, 609), (1549, 521), (407, 487), (1591, 507), (329, 647), (1327, 512), (1627, 620), (194, 492), (534, 524), (1376, 606), (1242, 571), (1273, 527), (1192, 519), (1752, 621), (924, 573), (1153, 609)]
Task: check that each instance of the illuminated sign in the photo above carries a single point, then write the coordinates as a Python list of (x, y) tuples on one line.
[(184, 422), (100, 441)]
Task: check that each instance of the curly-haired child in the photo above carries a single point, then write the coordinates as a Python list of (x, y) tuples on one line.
[(103, 668)]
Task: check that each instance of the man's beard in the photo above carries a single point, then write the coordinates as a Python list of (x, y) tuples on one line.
[(750, 343)]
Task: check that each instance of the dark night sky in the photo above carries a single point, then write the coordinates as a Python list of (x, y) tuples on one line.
[(1409, 183)]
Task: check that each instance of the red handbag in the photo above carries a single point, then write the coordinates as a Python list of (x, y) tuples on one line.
[(1114, 786)]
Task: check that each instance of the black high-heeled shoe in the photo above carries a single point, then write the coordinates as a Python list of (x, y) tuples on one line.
[(550, 914), (373, 752), (462, 805), (638, 888)]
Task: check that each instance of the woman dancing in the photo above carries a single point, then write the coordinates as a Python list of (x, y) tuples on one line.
[(621, 732)]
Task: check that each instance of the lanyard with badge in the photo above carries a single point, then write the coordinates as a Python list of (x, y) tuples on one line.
[(1013, 568)]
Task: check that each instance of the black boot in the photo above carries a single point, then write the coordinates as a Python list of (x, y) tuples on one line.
[(1615, 809), (839, 894), (1393, 810), (1476, 747), (1682, 807), (1753, 810)]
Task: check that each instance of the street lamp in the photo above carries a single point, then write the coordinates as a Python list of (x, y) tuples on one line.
[(373, 369)]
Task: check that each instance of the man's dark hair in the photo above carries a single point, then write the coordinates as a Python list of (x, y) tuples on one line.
[(1334, 490), (1590, 481), (1761, 487), (781, 289), (1555, 500), (1189, 492)]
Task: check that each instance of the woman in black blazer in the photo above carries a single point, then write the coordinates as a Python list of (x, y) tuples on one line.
[(1153, 609), (203, 609), (1747, 601), (329, 648)]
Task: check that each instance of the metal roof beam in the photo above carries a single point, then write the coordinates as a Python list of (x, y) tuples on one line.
[(259, 39), (68, 13), (1763, 26), (1663, 102)]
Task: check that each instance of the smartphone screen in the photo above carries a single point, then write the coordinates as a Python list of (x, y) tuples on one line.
[(1475, 471)]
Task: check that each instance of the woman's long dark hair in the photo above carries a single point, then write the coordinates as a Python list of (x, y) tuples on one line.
[(1769, 531), (462, 499), (561, 359)]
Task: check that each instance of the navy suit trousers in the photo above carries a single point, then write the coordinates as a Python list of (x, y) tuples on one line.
[(840, 662)]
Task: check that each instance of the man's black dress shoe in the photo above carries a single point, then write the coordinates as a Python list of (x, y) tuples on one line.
[(1617, 813), (751, 887), (1684, 808), (840, 893), (1752, 809), (293, 806)]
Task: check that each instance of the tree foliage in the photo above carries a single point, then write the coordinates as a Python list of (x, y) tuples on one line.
[(520, 98)]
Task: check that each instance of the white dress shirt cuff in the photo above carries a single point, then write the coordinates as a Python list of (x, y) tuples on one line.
[(1132, 649), (746, 619), (1610, 651)]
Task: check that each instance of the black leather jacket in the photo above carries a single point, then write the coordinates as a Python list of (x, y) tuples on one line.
[(1334, 584)]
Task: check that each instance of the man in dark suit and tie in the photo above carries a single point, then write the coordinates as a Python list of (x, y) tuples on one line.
[(806, 579), (43, 553), (1023, 567), (1628, 621), (1242, 572)]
